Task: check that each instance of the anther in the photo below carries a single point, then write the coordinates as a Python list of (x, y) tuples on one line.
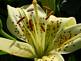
[(49, 15), (21, 19), (47, 8), (42, 28), (31, 24), (29, 10)]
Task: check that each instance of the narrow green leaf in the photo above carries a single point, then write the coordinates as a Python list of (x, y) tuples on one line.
[(2, 53), (4, 34)]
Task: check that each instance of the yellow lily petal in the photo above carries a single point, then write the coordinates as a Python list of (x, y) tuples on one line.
[(30, 10), (69, 21), (54, 26), (17, 48), (23, 25), (23, 29), (72, 46), (69, 35), (13, 17), (51, 57), (18, 24)]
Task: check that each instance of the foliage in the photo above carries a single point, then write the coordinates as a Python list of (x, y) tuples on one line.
[(53, 4)]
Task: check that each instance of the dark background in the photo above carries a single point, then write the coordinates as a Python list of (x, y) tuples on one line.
[(67, 9), (72, 8)]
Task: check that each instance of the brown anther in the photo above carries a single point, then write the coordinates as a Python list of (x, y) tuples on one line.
[(30, 10), (21, 19), (42, 28), (31, 24), (49, 15)]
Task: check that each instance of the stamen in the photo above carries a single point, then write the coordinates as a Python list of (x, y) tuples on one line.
[(47, 8), (34, 1), (42, 28), (35, 8), (31, 24), (49, 15), (30, 10), (20, 20)]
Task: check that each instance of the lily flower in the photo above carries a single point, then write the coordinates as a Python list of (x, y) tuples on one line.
[(41, 37)]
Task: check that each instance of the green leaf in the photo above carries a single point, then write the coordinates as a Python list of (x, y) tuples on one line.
[(2, 53), (3, 33)]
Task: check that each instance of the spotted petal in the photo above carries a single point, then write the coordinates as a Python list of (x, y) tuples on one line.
[(68, 38), (17, 48), (54, 26), (13, 18), (23, 13), (72, 46), (30, 10), (25, 28), (52, 57)]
